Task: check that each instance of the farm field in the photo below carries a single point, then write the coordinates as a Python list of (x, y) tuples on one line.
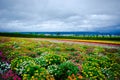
[(102, 43), (34, 59)]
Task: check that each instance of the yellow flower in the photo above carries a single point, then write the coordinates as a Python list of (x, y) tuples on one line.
[(20, 60), (36, 74), (28, 69), (36, 71), (32, 77), (24, 75), (90, 74), (49, 62)]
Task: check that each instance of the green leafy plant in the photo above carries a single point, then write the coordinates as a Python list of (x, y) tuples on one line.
[(41, 61), (4, 67), (100, 68), (54, 59), (70, 49), (35, 72), (98, 50), (26, 56), (15, 44), (57, 49), (19, 64), (53, 70), (38, 51), (22, 66), (65, 69), (12, 55), (48, 59)]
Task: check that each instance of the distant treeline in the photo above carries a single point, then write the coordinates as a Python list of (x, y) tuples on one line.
[(87, 37)]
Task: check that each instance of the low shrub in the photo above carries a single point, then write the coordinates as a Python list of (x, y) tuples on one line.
[(54, 59), (68, 68), (22, 66), (98, 50), (31, 54), (48, 59), (19, 64), (56, 48), (4, 67), (114, 57), (10, 75), (12, 55), (35, 72), (63, 70), (41, 61), (53, 70), (70, 49), (38, 51), (100, 68)]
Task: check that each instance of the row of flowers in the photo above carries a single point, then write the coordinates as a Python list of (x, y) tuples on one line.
[(47, 66), (22, 59)]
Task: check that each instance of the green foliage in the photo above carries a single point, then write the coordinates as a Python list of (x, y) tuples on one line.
[(12, 55), (41, 61), (34, 72), (15, 45), (19, 64), (38, 51), (57, 49), (65, 55), (54, 59), (6, 48), (22, 66), (92, 70), (4, 67), (29, 70), (36, 60), (98, 50), (67, 68), (100, 68), (70, 49), (116, 38), (53, 70), (41, 50), (114, 57), (49, 59), (63, 70)]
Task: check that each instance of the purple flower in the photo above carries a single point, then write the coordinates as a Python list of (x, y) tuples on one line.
[(0, 53), (11, 74)]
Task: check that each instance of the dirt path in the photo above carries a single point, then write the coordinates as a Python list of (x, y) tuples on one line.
[(82, 42)]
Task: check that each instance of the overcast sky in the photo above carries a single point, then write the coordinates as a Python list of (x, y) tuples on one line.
[(59, 15)]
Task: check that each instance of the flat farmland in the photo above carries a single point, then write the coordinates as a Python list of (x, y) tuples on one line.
[(58, 59)]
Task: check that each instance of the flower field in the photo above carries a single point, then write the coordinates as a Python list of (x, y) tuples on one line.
[(28, 59)]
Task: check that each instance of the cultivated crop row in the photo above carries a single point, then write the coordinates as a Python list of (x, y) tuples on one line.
[(26, 59)]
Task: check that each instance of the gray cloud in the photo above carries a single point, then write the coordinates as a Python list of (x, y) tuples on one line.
[(62, 15)]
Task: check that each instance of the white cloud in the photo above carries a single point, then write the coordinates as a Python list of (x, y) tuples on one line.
[(62, 15)]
